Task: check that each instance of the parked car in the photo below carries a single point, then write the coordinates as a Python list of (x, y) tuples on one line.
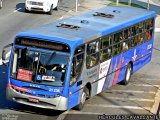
[(46, 6), (1, 1)]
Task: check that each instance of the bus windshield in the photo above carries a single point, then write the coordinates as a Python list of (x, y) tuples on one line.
[(39, 67)]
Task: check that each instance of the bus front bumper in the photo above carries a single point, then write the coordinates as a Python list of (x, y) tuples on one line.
[(57, 103)]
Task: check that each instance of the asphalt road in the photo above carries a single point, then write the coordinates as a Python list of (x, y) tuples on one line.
[(135, 98)]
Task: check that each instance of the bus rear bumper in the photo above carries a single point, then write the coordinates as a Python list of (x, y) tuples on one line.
[(57, 103)]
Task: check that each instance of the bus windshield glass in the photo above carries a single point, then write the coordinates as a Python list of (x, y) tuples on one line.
[(39, 67)]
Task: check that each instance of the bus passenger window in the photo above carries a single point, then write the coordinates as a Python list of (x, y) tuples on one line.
[(149, 35), (105, 42), (133, 31), (141, 27), (149, 24), (142, 37), (118, 37), (106, 54), (126, 34), (138, 39), (132, 42), (125, 45), (117, 49), (129, 32), (93, 47), (137, 29), (92, 60)]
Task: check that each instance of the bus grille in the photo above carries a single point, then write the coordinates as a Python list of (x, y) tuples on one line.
[(40, 103)]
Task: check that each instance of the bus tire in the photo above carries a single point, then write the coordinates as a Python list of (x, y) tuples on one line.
[(51, 10), (128, 74), (83, 99)]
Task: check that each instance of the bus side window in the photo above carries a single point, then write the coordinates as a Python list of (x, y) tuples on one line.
[(149, 29), (141, 27), (118, 37), (132, 42), (133, 31), (93, 47), (126, 34), (77, 64), (129, 32), (106, 50), (106, 54), (92, 60), (125, 46), (149, 24), (117, 49)]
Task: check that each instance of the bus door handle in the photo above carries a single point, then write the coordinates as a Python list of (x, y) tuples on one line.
[(79, 83)]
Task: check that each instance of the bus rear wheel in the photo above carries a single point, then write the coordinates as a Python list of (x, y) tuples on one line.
[(84, 96), (128, 74)]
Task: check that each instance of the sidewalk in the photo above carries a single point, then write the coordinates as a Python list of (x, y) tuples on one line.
[(88, 5)]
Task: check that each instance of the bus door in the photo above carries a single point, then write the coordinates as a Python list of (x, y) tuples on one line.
[(75, 77)]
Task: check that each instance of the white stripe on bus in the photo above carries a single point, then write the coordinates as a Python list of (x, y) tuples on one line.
[(157, 29)]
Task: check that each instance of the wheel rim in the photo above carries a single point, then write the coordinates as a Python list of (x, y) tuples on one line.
[(83, 99), (128, 74)]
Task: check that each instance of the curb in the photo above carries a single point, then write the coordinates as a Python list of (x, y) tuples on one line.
[(155, 106), (63, 115)]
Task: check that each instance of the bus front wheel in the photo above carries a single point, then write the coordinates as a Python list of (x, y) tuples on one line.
[(128, 74), (83, 99)]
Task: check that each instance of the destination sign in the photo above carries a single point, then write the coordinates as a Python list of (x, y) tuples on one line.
[(42, 44)]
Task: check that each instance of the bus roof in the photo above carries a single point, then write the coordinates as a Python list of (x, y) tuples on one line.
[(91, 25)]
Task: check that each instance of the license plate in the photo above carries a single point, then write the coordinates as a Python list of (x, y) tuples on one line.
[(33, 100)]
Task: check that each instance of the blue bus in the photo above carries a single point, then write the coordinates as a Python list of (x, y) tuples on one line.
[(60, 65)]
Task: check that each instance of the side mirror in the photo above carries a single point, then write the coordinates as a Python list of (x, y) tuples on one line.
[(6, 53)]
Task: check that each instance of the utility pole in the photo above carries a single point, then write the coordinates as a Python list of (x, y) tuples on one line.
[(129, 2), (148, 4), (76, 5), (117, 2)]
